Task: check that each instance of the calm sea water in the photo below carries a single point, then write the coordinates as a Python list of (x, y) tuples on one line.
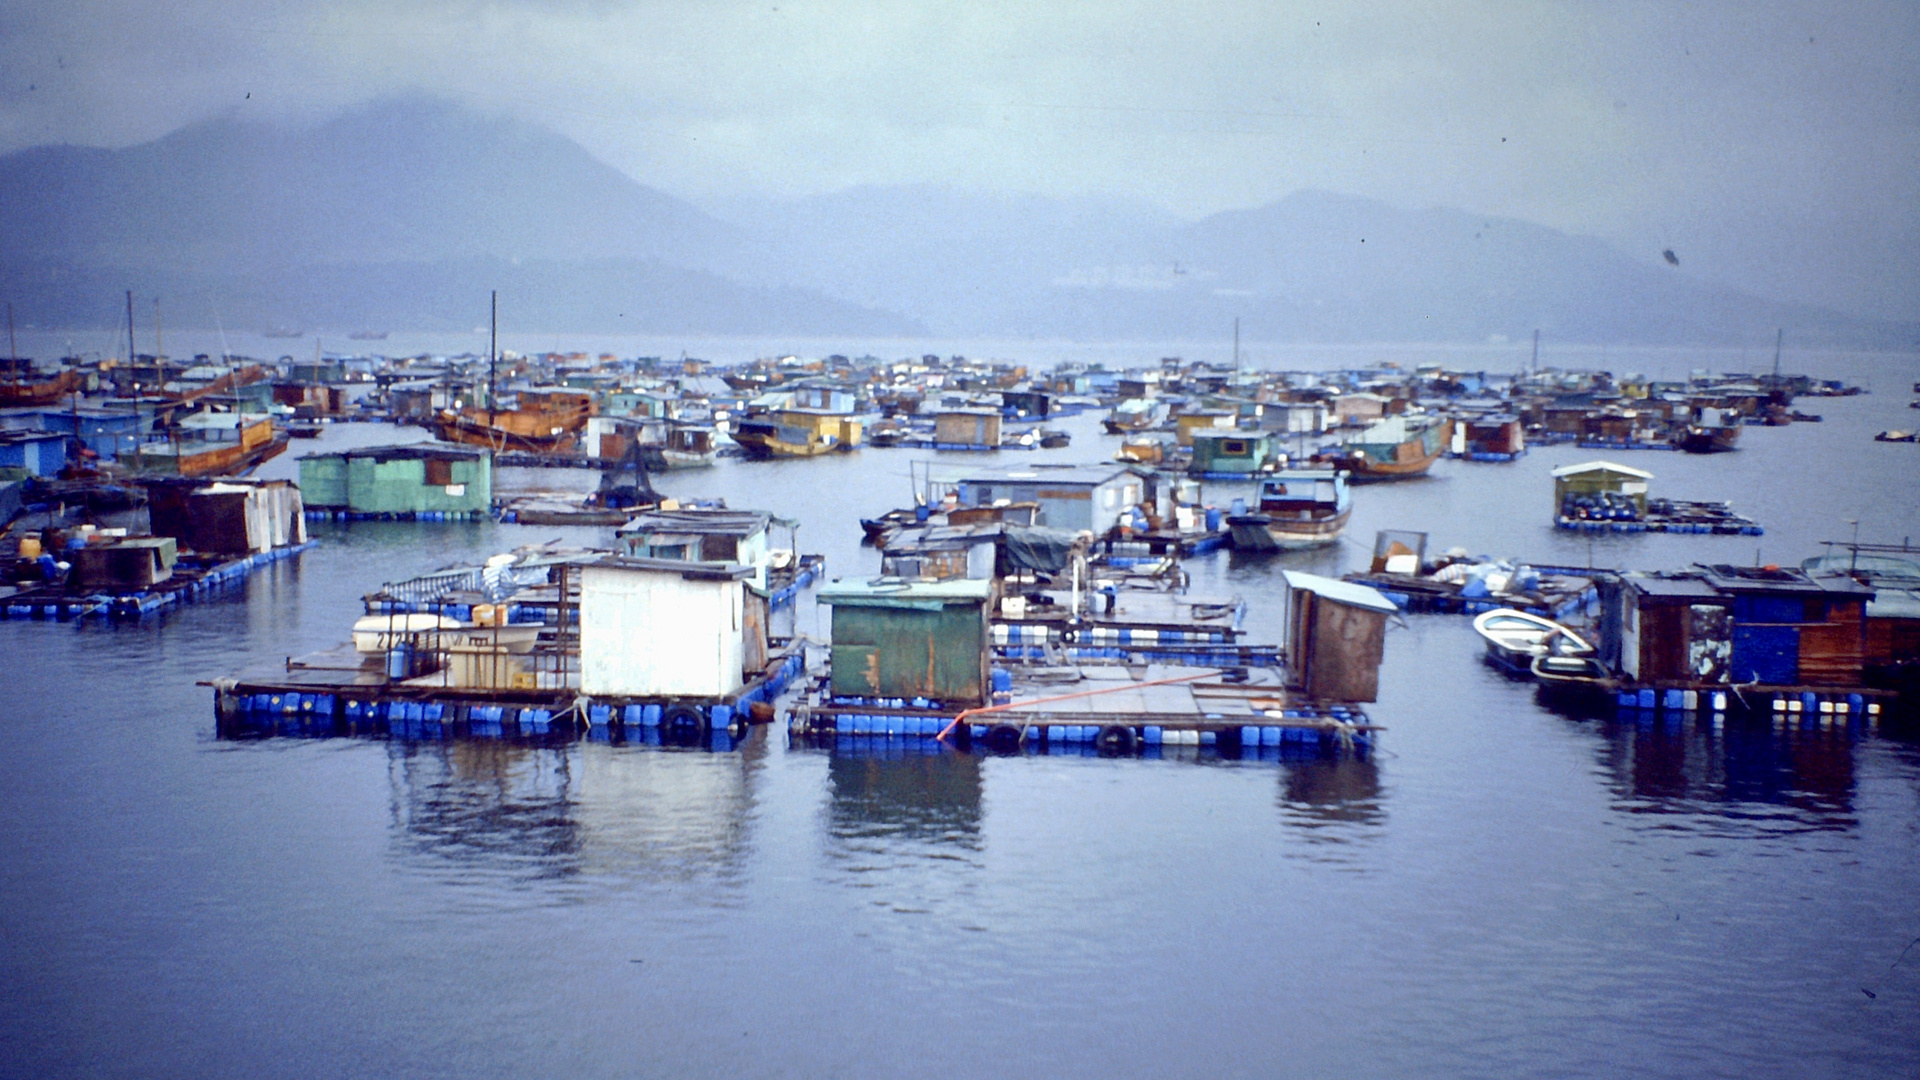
[(1502, 890)]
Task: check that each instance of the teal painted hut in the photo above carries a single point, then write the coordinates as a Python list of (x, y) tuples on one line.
[(1231, 450), (400, 481)]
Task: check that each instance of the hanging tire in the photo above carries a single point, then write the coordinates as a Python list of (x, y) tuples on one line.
[(1003, 739), (1115, 740), (682, 725)]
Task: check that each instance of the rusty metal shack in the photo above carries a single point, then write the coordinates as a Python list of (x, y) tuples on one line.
[(1336, 636), (1715, 625), (925, 639)]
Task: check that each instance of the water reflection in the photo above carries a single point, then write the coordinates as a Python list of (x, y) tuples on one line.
[(1334, 799), (581, 810), (1741, 775), (931, 798)]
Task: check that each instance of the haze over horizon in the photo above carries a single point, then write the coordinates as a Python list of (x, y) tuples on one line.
[(1773, 152)]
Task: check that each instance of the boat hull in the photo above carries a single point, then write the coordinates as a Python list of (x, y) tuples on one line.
[(43, 392), (1271, 532), (471, 432), (1709, 440), (1367, 471)]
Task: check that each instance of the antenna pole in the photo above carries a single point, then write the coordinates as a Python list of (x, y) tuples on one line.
[(1236, 345), (159, 343), (13, 347), (1535, 368)]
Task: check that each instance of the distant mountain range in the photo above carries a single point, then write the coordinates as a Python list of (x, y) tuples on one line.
[(404, 213)]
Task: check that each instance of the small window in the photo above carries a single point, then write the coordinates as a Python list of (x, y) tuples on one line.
[(439, 472), (1236, 447)]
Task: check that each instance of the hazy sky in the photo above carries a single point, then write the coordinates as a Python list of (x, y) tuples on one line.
[(1773, 147)]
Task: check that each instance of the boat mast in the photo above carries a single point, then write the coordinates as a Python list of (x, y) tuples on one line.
[(131, 347), (159, 343), (1534, 369), (493, 350), (13, 347), (1778, 334), (1236, 345)]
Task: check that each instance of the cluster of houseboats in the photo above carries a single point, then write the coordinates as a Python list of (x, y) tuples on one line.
[(1014, 606)]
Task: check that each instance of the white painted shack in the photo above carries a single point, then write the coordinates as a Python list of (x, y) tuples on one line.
[(666, 628)]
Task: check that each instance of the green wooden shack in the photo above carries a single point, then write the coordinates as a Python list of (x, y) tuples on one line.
[(911, 639), (400, 481), (1229, 450)]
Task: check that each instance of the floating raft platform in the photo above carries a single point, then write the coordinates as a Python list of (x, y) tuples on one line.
[(322, 699), (1139, 547), (1671, 516), (1563, 592), (1114, 709), (1138, 626), (405, 515), (195, 577)]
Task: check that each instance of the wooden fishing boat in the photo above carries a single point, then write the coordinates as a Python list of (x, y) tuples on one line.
[(202, 452), (796, 433), (1147, 448), (1708, 439), (1396, 448), (1298, 509), (544, 421), (1134, 414), (1514, 638), (32, 391), (688, 446), (1711, 431)]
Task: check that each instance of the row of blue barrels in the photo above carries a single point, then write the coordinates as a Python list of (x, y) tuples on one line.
[(404, 515), (133, 605), (517, 614), (916, 727), (1246, 735), (786, 595), (1491, 455), (887, 703), (1806, 701), (1127, 636), (1624, 444), (884, 748), (1230, 656)]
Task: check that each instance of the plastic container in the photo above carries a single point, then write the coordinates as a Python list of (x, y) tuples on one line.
[(29, 548)]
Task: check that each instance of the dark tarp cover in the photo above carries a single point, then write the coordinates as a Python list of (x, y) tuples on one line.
[(1042, 550)]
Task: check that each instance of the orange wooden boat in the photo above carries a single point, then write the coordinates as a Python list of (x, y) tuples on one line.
[(257, 442), (16, 392), (544, 421), (1396, 448)]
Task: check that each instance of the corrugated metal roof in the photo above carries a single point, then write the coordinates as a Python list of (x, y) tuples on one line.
[(883, 590), (1601, 466), (1340, 592), (698, 522)]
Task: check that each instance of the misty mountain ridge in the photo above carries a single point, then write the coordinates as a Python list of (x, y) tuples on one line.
[(397, 213)]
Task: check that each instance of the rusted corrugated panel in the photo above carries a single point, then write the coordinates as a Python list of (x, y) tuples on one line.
[(1344, 651), (1832, 652), (1663, 642)]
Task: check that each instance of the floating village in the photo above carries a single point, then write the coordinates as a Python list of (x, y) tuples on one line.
[(1009, 605)]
